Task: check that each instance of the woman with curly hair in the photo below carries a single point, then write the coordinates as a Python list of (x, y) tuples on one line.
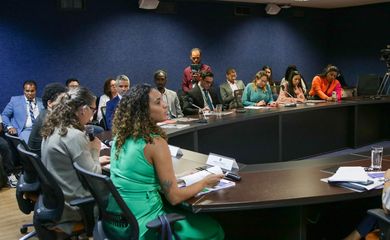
[(141, 167), (65, 142)]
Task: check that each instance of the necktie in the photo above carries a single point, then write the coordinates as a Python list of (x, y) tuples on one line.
[(31, 110), (208, 100)]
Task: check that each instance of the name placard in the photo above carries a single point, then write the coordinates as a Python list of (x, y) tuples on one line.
[(223, 162), (175, 151)]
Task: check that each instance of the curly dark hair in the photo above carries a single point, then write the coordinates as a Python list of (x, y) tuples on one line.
[(132, 118), (51, 92), (63, 114)]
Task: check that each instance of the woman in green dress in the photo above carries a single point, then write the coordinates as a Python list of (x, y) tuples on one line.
[(141, 168)]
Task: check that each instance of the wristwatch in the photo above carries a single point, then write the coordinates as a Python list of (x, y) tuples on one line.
[(385, 180)]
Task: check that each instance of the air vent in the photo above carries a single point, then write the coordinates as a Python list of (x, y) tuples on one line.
[(242, 11), (72, 5)]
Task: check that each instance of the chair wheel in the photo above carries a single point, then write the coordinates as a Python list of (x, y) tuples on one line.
[(23, 230)]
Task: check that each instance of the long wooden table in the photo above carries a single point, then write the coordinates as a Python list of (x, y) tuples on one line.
[(284, 195), (284, 134)]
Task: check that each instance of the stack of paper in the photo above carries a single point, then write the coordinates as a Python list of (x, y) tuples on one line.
[(354, 178), (196, 177)]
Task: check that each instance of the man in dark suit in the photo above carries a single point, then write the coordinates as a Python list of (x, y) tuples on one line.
[(122, 84), (201, 98)]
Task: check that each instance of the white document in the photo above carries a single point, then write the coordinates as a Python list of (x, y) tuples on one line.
[(196, 177), (257, 107), (350, 174), (175, 151), (177, 126)]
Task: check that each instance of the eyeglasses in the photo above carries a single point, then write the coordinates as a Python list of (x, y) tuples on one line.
[(93, 109)]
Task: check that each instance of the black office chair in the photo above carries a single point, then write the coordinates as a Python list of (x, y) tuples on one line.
[(383, 222), (237, 100), (104, 120), (27, 188), (50, 202), (103, 189), (368, 84)]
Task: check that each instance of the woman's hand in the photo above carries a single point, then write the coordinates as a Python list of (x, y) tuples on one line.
[(261, 103), (104, 160), (212, 179), (273, 104), (329, 99), (95, 144)]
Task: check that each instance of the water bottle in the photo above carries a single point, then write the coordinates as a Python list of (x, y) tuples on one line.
[(334, 96)]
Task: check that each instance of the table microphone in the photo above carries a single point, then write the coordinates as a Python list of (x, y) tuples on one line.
[(90, 132), (283, 88)]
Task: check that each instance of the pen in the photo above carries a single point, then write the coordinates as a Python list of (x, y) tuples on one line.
[(196, 106)]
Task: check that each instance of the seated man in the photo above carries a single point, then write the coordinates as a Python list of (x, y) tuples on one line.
[(21, 112), (72, 83), (122, 84), (227, 89), (50, 93), (202, 97), (168, 96)]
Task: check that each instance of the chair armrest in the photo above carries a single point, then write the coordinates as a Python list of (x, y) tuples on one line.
[(79, 202), (172, 218), (380, 214), (86, 206)]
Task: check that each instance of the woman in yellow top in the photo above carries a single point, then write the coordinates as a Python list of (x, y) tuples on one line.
[(141, 168), (325, 83)]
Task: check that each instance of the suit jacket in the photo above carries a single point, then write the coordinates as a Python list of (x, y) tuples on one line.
[(195, 96), (110, 109), (173, 103), (15, 113), (227, 93)]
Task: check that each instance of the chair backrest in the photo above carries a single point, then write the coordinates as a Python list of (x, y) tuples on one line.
[(16, 141), (103, 111), (29, 174), (50, 204), (103, 190), (368, 84), (237, 101)]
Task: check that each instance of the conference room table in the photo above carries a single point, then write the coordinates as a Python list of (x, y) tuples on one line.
[(288, 133), (279, 193), (282, 197)]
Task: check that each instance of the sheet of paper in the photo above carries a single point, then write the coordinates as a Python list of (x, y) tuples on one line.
[(257, 107), (350, 174)]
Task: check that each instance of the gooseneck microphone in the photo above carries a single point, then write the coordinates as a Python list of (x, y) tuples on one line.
[(283, 88)]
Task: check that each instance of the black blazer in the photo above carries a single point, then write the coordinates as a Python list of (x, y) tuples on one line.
[(195, 96)]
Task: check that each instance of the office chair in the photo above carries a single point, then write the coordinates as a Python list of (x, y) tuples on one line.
[(237, 101), (27, 188), (383, 222), (368, 84), (102, 188), (104, 120), (50, 202)]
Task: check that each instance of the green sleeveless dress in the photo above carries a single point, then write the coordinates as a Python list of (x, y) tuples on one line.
[(138, 184)]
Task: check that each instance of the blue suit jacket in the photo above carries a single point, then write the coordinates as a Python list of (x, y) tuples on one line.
[(15, 113), (110, 109)]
